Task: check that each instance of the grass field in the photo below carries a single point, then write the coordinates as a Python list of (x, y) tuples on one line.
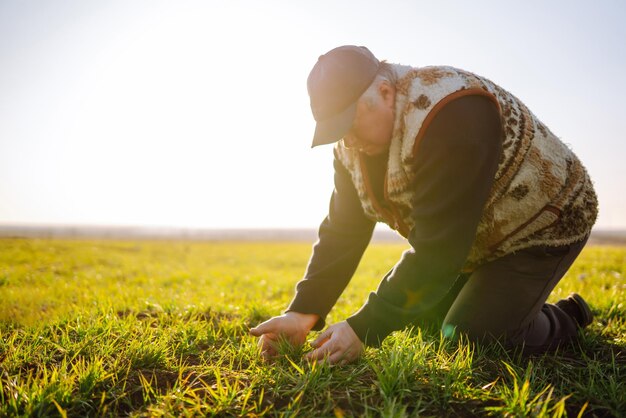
[(105, 328)]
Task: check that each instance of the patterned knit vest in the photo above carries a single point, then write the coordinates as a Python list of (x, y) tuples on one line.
[(542, 194)]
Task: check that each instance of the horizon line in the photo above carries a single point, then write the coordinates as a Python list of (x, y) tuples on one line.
[(147, 232)]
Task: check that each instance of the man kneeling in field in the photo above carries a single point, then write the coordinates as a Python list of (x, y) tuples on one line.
[(495, 207)]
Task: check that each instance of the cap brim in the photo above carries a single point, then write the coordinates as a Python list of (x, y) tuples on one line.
[(334, 128)]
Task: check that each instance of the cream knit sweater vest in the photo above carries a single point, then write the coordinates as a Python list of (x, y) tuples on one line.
[(542, 194)]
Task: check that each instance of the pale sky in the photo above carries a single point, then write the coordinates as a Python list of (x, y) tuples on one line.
[(195, 113)]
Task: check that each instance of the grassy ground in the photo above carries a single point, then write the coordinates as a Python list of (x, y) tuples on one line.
[(103, 328)]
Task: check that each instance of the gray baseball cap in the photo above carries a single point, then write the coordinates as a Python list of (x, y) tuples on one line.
[(335, 84)]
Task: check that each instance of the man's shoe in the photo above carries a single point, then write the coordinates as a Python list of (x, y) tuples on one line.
[(576, 307)]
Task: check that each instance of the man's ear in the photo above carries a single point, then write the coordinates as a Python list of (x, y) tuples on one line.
[(387, 93)]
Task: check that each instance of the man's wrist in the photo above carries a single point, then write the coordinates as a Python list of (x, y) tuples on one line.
[(308, 321)]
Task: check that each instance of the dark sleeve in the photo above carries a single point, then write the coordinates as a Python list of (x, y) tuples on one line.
[(343, 236), (455, 167)]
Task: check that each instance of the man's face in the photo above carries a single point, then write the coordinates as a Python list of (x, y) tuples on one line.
[(373, 124)]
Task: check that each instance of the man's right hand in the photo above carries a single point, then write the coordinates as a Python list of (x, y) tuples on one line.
[(293, 326)]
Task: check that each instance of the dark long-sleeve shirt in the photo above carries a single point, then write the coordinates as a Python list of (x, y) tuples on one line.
[(455, 167)]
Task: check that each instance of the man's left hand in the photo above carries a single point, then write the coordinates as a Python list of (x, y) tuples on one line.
[(338, 344)]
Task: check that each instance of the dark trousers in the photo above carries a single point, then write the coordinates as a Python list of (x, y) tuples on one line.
[(506, 300)]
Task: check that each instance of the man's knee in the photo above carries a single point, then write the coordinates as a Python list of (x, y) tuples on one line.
[(469, 331), (478, 333)]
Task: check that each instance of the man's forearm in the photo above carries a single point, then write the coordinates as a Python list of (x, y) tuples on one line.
[(343, 236), (332, 264)]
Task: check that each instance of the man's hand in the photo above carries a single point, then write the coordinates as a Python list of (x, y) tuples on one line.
[(339, 343), (293, 326)]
